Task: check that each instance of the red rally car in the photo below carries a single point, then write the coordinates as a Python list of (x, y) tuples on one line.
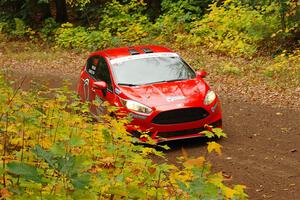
[(156, 87)]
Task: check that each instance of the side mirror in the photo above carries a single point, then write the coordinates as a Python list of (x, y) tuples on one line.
[(99, 85), (201, 74)]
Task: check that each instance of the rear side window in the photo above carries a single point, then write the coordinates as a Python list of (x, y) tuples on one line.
[(98, 69), (92, 65)]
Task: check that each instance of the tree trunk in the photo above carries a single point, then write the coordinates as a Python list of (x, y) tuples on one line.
[(61, 11), (45, 10), (154, 9)]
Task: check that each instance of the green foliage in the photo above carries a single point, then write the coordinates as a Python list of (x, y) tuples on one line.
[(78, 3), (229, 68), (24, 170), (181, 10), (68, 36), (176, 17), (120, 23), (52, 150), (3, 26), (237, 29), (16, 28), (243, 28), (286, 69), (20, 28), (48, 29), (288, 11), (126, 20), (71, 37)]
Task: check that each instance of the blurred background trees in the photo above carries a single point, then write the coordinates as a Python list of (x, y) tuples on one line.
[(245, 27)]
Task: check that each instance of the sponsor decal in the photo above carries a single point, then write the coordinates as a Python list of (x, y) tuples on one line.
[(118, 91), (175, 98), (86, 91)]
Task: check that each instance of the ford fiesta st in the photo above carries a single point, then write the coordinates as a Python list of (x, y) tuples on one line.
[(156, 87)]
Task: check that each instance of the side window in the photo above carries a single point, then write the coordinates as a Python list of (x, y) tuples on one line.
[(98, 69), (91, 66), (104, 74)]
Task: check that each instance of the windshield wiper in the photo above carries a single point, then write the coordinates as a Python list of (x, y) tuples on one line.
[(128, 84), (165, 81)]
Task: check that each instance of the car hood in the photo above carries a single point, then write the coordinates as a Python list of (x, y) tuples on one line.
[(187, 92)]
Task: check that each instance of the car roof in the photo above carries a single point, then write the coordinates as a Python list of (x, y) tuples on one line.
[(133, 50)]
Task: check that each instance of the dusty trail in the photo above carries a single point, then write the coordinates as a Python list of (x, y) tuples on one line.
[(262, 150)]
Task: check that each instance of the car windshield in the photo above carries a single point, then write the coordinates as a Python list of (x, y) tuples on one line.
[(141, 70)]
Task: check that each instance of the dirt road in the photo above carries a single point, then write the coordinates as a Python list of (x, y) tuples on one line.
[(262, 150)]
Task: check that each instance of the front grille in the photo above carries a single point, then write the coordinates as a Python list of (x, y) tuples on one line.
[(180, 116), (187, 132), (179, 133)]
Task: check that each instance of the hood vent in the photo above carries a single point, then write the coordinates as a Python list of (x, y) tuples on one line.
[(133, 52), (147, 50)]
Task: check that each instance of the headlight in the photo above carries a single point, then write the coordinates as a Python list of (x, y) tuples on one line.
[(210, 97), (135, 106)]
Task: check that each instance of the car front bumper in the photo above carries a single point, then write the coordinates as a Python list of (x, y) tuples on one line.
[(168, 132)]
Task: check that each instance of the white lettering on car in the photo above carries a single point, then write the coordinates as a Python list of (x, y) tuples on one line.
[(175, 98)]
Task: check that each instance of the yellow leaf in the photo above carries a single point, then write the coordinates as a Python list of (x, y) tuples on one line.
[(213, 146), (128, 180), (239, 187), (16, 141), (240, 190), (216, 179), (197, 162), (228, 192), (46, 143)]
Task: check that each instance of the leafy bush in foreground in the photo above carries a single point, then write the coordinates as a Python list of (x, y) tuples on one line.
[(51, 149)]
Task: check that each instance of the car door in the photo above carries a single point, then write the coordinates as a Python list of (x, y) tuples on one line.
[(87, 78), (98, 70)]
